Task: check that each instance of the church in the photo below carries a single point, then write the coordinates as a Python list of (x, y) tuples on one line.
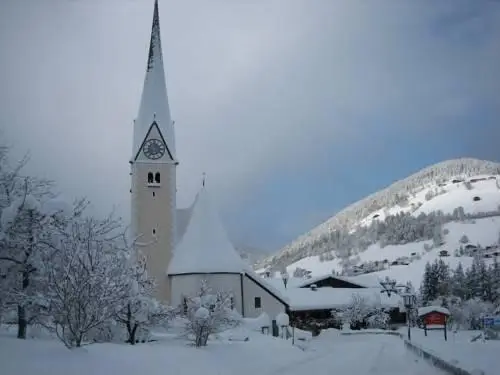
[(182, 246)]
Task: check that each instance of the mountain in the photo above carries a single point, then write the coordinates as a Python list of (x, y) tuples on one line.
[(251, 254), (433, 210)]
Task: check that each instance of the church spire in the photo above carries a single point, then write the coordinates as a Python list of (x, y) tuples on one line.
[(155, 42), (154, 101)]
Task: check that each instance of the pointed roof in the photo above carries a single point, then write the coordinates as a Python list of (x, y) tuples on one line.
[(154, 100), (205, 247)]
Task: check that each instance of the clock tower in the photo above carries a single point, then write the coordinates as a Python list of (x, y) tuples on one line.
[(153, 170)]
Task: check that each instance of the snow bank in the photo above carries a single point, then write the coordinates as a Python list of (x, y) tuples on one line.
[(256, 324)]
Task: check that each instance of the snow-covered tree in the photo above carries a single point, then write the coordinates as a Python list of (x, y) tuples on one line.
[(357, 310), (473, 312), (207, 313), (464, 239), (300, 272), (458, 284), (86, 280), (378, 318), (24, 224), (141, 311)]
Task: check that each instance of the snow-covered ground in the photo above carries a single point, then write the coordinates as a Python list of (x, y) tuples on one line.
[(326, 354), (459, 350)]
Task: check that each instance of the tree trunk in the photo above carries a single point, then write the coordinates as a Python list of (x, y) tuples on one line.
[(132, 334), (21, 322), (131, 328)]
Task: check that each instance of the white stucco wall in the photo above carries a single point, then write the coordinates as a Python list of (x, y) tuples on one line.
[(182, 285), (269, 303), (190, 284)]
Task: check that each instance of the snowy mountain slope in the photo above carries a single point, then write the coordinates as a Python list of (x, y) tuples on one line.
[(482, 231), (471, 184)]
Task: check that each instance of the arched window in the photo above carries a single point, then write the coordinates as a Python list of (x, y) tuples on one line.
[(150, 178), (157, 177)]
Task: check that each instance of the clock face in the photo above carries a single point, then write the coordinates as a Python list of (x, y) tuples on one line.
[(154, 149)]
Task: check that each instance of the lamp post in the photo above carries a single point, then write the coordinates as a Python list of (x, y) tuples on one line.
[(285, 277), (409, 301)]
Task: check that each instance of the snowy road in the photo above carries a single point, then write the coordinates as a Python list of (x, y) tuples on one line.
[(360, 355)]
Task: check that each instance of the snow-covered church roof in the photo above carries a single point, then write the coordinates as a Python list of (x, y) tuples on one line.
[(205, 247)]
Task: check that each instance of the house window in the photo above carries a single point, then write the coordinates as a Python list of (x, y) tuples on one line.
[(154, 194), (257, 303), (150, 178), (185, 305), (157, 177), (154, 231), (232, 303)]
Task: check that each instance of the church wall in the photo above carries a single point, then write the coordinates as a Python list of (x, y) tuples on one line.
[(189, 285), (269, 303)]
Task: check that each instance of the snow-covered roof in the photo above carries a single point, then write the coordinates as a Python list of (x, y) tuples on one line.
[(154, 101), (315, 279), (277, 282), (427, 309), (301, 299), (205, 247), (265, 283), (182, 220)]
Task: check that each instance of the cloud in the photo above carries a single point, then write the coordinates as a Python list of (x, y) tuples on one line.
[(256, 88)]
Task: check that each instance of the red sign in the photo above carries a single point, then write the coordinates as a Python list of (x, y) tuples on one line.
[(435, 318)]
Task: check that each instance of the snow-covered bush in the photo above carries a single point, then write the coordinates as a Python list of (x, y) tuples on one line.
[(208, 313), (379, 318)]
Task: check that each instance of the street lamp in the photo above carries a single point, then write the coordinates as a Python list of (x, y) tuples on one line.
[(285, 277), (409, 301)]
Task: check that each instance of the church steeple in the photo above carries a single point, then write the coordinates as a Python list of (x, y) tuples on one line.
[(154, 106)]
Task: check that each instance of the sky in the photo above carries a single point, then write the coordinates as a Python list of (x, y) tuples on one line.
[(293, 108)]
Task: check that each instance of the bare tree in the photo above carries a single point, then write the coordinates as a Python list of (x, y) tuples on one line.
[(209, 313), (87, 281)]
